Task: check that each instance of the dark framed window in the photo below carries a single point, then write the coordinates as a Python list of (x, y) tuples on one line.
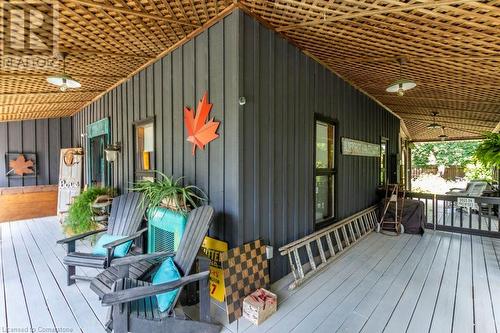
[(324, 183), (144, 149), (384, 143)]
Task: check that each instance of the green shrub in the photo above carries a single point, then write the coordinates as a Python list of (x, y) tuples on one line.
[(79, 219), (477, 171)]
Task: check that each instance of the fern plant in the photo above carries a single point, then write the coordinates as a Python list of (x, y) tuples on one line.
[(488, 152), (79, 218), (168, 192)]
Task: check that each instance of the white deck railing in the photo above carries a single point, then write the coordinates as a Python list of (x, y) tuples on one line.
[(336, 238)]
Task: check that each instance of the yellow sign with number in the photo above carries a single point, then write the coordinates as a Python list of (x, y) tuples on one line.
[(212, 249)]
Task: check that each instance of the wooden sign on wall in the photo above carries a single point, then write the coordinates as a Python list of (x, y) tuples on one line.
[(360, 148), (70, 177)]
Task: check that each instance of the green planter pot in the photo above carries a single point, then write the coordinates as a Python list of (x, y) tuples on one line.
[(165, 229)]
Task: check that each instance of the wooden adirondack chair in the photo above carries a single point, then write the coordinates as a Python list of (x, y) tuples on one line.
[(126, 215), (133, 302)]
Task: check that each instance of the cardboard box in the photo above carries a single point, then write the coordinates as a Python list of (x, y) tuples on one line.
[(259, 305)]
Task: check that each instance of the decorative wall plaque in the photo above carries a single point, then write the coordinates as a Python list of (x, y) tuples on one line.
[(200, 131), (360, 148), (20, 164)]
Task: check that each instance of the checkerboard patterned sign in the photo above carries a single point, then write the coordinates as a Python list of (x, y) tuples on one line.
[(245, 270)]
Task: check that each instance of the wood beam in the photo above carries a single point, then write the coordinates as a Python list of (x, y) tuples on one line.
[(444, 122), (28, 75), (414, 58), (72, 52), (45, 103), (440, 116), (437, 99), (373, 12), (432, 108), (41, 93), (132, 12), (461, 138)]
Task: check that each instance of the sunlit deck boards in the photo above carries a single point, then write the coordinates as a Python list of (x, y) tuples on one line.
[(33, 291), (436, 283), (440, 282)]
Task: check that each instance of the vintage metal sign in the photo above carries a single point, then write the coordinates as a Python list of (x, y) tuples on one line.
[(212, 249)]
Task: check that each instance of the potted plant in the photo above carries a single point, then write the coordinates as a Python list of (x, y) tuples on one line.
[(81, 215), (168, 192), (488, 152)]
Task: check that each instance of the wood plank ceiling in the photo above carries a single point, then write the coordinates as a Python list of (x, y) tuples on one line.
[(451, 50)]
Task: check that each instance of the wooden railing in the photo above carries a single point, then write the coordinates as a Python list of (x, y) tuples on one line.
[(308, 255), (443, 213)]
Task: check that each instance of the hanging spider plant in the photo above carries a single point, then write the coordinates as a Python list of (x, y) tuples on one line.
[(488, 152), (168, 192)]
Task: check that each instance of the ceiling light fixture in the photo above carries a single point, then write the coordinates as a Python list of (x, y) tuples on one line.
[(63, 81), (434, 124), (443, 136), (401, 85)]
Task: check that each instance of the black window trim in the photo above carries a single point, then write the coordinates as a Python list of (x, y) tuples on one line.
[(385, 140), (135, 124), (319, 224)]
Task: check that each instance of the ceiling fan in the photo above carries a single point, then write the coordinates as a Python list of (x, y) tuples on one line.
[(63, 81), (401, 85), (434, 124)]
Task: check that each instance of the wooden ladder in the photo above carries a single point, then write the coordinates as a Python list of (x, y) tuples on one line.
[(327, 243)]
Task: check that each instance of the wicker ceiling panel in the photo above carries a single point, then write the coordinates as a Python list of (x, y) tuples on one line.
[(106, 41), (451, 50)]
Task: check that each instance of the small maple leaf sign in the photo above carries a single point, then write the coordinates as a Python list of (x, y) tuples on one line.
[(199, 132), (20, 166)]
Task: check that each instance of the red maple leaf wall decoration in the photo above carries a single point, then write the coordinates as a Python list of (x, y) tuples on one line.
[(200, 132)]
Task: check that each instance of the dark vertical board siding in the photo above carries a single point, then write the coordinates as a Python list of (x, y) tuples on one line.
[(42, 151), (284, 89), (156, 110), (177, 120), (233, 228), (29, 146), (45, 137), (167, 114), (206, 63), (200, 87), (259, 173), (15, 144), (216, 156), (3, 149), (54, 146), (188, 68)]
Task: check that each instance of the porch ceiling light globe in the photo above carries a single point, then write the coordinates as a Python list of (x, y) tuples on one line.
[(400, 86), (443, 137), (63, 81)]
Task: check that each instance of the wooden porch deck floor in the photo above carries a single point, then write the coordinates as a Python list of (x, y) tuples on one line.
[(439, 282), (33, 291)]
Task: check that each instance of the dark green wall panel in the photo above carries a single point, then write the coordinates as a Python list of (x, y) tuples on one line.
[(284, 89), (206, 63), (45, 137)]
